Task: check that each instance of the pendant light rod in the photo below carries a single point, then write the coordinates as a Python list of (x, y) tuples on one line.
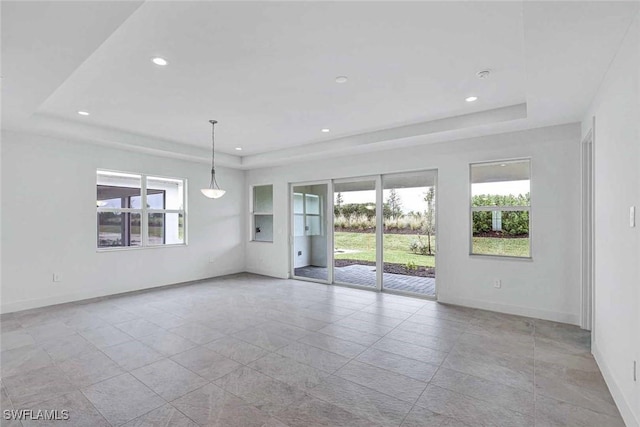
[(214, 191)]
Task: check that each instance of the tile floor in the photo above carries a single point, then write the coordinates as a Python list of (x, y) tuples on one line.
[(247, 350)]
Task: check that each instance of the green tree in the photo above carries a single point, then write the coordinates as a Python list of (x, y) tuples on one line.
[(339, 202), (395, 204), (430, 217)]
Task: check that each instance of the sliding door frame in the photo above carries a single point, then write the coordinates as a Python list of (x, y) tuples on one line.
[(377, 182), (328, 229), (433, 297)]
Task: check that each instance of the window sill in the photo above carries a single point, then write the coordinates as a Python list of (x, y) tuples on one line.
[(502, 257), (260, 241), (138, 248)]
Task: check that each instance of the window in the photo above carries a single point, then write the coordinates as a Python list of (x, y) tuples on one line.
[(262, 213), (500, 204), (307, 213), (135, 210)]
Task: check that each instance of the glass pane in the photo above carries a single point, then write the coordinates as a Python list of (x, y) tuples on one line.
[(355, 233), (165, 193), (298, 203), (313, 226), (263, 231), (310, 248), (117, 190), (501, 184), (298, 225), (118, 229), (503, 233), (409, 232), (263, 199), (166, 228), (313, 204), (136, 202)]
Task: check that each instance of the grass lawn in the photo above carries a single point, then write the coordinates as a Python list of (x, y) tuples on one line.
[(396, 248), (497, 246)]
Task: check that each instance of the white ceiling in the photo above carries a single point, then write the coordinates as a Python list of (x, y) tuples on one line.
[(266, 70)]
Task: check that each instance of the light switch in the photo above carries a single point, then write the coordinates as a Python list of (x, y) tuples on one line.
[(632, 216)]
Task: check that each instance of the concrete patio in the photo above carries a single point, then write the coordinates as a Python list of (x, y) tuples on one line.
[(365, 275)]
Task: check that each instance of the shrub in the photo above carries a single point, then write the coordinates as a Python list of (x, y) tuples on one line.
[(482, 222), (514, 223), (419, 247)]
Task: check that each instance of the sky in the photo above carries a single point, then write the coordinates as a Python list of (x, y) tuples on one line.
[(412, 199)]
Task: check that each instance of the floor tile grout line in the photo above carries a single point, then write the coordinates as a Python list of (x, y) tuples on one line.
[(94, 407), (370, 345), (329, 374)]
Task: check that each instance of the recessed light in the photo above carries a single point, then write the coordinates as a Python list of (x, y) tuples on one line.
[(341, 79), (503, 164), (325, 130), (238, 148), (159, 61), (471, 98), (83, 113)]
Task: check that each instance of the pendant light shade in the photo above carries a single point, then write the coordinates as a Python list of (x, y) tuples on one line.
[(214, 191)]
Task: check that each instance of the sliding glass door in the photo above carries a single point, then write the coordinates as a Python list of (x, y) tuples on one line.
[(383, 235), (354, 232), (409, 244), (310, 246)]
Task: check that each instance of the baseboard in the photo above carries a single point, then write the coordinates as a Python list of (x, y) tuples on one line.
[(572, 319), (629, 418), (268, 273), (95, 293)]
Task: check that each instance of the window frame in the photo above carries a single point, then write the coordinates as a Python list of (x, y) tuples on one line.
[(528, 208), (319, 215), (305, 214), (253, 213), (144, 212)]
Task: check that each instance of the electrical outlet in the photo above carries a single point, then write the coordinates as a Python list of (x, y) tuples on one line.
[(56, 277), (497, 284), (299, 253), (212, 259)]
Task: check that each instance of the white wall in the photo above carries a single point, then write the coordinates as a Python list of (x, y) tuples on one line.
[(49, 224), (546, 287), (616, 340)]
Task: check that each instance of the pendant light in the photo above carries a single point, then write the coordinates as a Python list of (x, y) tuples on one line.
[(214, 191)]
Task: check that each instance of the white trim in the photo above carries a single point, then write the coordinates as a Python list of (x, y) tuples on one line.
[(556, 316), (379, 233), (587, 200), (96, 293), (629, 418), (499, 208), (330, 218)]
